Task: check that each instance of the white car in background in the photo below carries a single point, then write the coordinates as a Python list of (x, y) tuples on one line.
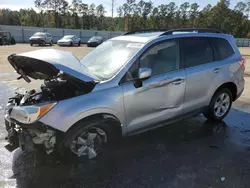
[(69, 40)]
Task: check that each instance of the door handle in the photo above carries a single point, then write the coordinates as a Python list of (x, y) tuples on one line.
[(177, 81), (217, 70)]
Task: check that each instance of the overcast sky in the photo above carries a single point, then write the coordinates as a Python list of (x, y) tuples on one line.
[(17, 4)]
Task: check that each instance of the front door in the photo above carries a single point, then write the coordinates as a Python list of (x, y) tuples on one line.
[(160, 97)]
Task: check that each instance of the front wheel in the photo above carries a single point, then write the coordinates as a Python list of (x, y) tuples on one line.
[(89, 140), (220, 105), (51, 43), (79, 43), (43, 43)]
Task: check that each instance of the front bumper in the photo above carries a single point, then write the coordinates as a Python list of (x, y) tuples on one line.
[(27, 137), (36, 41), (92, 44), (63, 43)]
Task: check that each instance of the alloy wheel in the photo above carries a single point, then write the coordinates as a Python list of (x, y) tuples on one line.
[(90, 143), (222, 105)]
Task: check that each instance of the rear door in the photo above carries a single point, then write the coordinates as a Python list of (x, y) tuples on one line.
[(198, 59)]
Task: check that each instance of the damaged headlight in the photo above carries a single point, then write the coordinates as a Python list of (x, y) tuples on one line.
[(29, 114)]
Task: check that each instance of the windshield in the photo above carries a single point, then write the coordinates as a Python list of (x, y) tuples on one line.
[(96, 38), (39, 35), (68, 37), (107, 59)]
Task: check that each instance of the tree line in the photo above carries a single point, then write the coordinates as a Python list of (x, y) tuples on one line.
[(134, 14)]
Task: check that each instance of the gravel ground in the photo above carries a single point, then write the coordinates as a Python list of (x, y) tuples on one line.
[(190, 153)]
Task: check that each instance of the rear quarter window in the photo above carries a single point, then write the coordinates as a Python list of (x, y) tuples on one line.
[(222, 48)]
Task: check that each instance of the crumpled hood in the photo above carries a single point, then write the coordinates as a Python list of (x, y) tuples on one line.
[(47, 63)]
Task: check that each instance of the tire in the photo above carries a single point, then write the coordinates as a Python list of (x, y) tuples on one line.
[(79, 43), (218, 107), (31, 44), (51, 43), (71, 44), (43, 43), (81, 128)]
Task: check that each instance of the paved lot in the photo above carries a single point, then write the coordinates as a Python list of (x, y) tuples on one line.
[(191, 153)]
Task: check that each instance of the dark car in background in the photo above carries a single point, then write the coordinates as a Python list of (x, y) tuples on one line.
[(6, 38), (41, 39), (95, 41)]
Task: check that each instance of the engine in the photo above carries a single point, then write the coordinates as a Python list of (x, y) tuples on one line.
[(55, 90)]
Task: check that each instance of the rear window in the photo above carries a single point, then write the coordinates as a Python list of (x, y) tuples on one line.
[(222, 48), (196, 51)]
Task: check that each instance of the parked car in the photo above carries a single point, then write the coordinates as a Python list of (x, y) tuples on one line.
[(95, 41), (127, 85), (69, 40), (41, 39), (6, 38)]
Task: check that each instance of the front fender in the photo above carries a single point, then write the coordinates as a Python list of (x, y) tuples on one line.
[(67, 112)]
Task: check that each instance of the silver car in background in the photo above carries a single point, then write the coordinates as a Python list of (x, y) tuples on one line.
[(127, 85), (69, 40), (41, 38)]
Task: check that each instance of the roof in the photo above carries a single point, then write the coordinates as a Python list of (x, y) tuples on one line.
[(68, 35), (139, 37), (39, 33)]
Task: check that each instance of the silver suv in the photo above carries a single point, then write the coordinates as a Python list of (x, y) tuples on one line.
[(129, 84), (41, 39)]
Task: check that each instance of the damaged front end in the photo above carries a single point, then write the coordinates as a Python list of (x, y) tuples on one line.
[(64, 78), (27, 136)]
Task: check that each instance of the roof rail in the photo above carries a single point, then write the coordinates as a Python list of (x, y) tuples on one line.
[(195, 30), (145, 31), (171, 31)]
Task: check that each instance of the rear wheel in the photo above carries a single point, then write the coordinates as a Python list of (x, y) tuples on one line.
[(220, 105), (79, 43), (88, 139), (51, 43), (31, 44), (71, 44)]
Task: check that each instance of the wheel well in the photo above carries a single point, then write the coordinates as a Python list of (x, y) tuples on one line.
[(231, 86), (112, 121)]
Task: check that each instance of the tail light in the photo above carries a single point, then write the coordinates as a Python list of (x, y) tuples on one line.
[(242, 63)]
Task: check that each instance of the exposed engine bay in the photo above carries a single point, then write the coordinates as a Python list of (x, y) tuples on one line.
[(27, 136), (56, 89), (64, 78)]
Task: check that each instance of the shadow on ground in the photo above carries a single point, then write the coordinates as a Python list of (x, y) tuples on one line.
[(191, 153)]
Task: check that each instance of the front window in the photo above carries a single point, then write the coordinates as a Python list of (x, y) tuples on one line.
[(68, 37), (96, 38), (39, 35), (107, 59)]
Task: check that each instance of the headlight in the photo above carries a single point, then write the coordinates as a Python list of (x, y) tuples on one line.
[(29, 114)]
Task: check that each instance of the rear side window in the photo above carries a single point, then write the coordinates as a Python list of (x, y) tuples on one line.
[(196, 51), (222, 48)]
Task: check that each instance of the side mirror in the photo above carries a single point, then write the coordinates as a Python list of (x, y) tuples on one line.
[(144, 73)]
